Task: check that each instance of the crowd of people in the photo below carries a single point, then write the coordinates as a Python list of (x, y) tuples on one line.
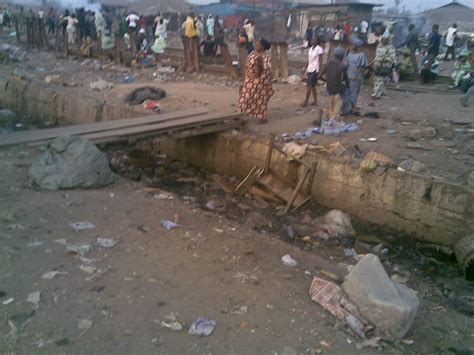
[(345, 72), (147, 35)]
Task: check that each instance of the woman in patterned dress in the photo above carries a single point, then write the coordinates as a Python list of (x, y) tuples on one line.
[(257, 89), (385, 60)]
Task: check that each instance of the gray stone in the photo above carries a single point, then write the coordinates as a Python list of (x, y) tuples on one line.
[(412, 165), (388, 305), (426, 132), (335, 224)]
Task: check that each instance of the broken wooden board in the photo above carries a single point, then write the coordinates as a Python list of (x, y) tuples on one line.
[(249, 180), (52, 133), (280, 189)]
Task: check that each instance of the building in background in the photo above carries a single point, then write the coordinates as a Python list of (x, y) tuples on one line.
[(446, 15)]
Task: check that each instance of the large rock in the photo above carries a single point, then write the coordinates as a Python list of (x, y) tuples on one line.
[(70, 162), (388, 305)]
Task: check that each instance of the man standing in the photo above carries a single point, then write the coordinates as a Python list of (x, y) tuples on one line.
[(363, 29), (315, 62), (347, 30), (132, 20), (433, 45), (450, 39), (413, 44), (192, 43), (337, 82)]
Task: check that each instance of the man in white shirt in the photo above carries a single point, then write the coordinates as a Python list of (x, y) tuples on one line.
[(315, 63), (132, 20), (450, 38)]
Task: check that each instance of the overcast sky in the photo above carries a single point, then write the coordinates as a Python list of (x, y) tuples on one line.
[(412, 5)]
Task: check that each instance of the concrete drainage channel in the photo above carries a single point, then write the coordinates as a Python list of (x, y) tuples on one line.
[(426, 210)]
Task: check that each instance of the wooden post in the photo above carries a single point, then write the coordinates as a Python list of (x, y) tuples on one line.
[(275, 60), (242, 59), (228, 60), (268, 159), (117, 49), (284, 60), (195, 53)]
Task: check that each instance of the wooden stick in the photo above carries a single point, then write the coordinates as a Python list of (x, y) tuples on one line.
[(268, 159), (294, 158), (274, 55), (295, 192), (284, 60)]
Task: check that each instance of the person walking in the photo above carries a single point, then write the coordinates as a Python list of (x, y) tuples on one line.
[(315, 63), (413, 44), (192, 43), (450, 41), (356, 62), (257, 89), (385, 59)]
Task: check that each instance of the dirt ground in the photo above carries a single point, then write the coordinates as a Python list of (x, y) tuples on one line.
[(212, 266), (223, 264)]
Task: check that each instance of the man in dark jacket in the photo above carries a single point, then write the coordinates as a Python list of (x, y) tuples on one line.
[(433, 45)]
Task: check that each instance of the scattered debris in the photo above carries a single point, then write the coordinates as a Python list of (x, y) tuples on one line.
[(240, 310), (35, 243), (84, 324), (34, 298), (350, 252), (100, 85), (390, 306), (289, 261), (8, 301), (70, 162), (294, 150), (152, 105), (81, 226), (293, 79), (79, 249), (88, 269), (335, 224), (52, 79), (169, 225), (137, 96), (332, 298), (52, 274), (106, 243), (173, 325), (202, 327), (411, 165)]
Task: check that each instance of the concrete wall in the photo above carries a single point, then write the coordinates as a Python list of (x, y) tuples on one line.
[(427, 210), (51, 104)]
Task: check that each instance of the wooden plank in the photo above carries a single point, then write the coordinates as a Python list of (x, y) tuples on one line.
[(296, 192), (274, 56), (312, 174), (275, 185), (51, 133), (160, 135), (164, 126), (306, 200), (284, 59)]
